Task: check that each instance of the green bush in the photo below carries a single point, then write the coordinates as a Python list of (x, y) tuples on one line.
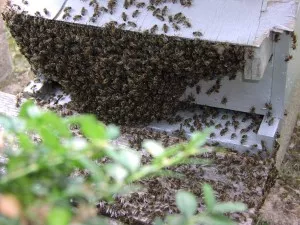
[(48, 168)]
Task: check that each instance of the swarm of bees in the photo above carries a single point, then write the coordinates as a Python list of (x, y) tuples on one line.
[(157, 198), (124, 77)]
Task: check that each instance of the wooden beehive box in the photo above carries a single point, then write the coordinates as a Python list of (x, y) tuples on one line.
[(264, 30)]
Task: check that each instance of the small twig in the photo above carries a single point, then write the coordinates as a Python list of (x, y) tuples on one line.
[(60, 10)]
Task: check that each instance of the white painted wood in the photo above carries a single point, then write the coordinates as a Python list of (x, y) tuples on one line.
[(244, 22), (280, 76), (255, 67), (241, 94)]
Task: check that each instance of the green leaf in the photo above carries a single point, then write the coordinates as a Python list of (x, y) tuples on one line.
[(25, 108), (112, 132), (187, 203), (49, 139), (199, 138), (59, 216), (12, 124), (25, 142), (229, 207), (209, 197), (153, 147), (129, 159), (177, 220), (116, 171), (90, 126), (158, 221), (213, 220)]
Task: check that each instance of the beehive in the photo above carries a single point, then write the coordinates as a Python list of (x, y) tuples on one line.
[(134, 62)]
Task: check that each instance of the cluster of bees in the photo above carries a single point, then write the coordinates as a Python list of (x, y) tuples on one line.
[(240, 178), (204, 117), (122, 76), (157, 8)]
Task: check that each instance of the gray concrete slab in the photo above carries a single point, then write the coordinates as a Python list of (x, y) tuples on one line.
[(5, 57)]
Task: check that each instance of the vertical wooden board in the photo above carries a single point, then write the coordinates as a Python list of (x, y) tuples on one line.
[(293, 70), (281, 51), (241, 94)]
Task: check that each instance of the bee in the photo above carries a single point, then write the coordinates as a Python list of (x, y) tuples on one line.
[(186, 3), (93, 19), (288, 58), (224, 117), (111, 5), (245, 136), (212, 135), (38, 14), (277, 37), (25, 2), (126, 4), (132, 24), (135, 13), (177, 16), (153, 29), (198, 89), (93, 2), (254, 146), (83, 11), (197, 34), (140, 5), (271, 121), (224, 131), (103, 9), (17, 6), (156, 11), (68, 9), (294, 39), (269, 114), (151, 8), (243, 131), (66, 16), (236, 124), (215, 144), (245, 118), (175, 26), (46, 12), (161, 18), (252, 109), (224, 101), (77, 17), (243, 140), (227, 123), (192, 129), (164, 11), (187, 24), (165, 28), (233, 136), (122, 26), (18, 100), (218, 126), (170, 19), (124, 16), (268, 106)]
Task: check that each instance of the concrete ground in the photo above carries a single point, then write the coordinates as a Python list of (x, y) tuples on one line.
[(14, 69), (5, 59)]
